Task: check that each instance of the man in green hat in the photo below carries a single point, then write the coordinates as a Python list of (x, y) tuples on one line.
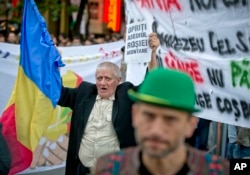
[(163, 119)]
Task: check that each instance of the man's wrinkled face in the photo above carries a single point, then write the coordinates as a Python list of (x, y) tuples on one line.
[(160, 130), (106, 82)]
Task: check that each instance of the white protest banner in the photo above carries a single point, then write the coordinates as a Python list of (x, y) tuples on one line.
[(81, 63), (210, 41), (80, 59), (137, 49)]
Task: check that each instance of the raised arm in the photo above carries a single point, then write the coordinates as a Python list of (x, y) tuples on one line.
[(154, 43)]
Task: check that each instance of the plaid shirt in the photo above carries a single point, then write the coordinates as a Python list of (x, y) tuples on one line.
[(126, 162)]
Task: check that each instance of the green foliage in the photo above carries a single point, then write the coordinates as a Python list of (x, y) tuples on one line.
[(72, 8), (11, 17), (2, 8), (54, 7)]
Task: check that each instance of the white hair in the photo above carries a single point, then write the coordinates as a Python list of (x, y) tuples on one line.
[(111, 66)]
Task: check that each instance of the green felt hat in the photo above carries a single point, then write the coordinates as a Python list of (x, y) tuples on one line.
[(167, 87)]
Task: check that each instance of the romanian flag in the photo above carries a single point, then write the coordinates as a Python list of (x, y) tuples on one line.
[(36, 92)]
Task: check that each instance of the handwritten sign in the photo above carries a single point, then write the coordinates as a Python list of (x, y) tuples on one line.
[(136, 47)]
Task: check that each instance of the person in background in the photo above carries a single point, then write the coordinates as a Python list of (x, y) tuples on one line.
[(5, 158), (115, 37), (88, 42), (76, 41), (202, 132), (54, 39), (91, 36), (101, 121), (99, 39), (2, 38), (12, 38), (162, 117), (63, 40), (232, 138), (242, 148), (107, 38)]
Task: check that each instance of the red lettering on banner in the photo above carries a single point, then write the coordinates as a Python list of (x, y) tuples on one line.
[(190, 67), (101, 50), (162, 4), (114, 54)]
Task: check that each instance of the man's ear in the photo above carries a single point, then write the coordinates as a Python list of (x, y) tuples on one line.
[(192, 124)]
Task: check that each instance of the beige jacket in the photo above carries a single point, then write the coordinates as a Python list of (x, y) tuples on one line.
[(243, 136)]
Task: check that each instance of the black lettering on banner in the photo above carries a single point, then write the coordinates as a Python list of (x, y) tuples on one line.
[(193, 44), (235, 106), (186, 44), (212, 4), (216, 77), (232, 106), (179, 43), (221, 46), (202, 5), (243, 46), (204, 100), (4, 54), (245, 107), (225, 106), (234, 3)]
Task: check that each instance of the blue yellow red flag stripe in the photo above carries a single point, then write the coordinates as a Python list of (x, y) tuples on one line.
[(36, 92)]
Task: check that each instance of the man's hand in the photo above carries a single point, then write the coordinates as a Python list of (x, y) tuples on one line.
[(50, 152), (154, 42)]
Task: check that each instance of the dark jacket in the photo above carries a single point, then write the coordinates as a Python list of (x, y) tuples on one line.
[(81, 100), (5, 159), (126, 162)]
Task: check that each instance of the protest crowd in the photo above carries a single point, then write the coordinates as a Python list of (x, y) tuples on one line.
[(121, 128), (63, 40)]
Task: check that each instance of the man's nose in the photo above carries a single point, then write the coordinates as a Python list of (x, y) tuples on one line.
[(157, 126)]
